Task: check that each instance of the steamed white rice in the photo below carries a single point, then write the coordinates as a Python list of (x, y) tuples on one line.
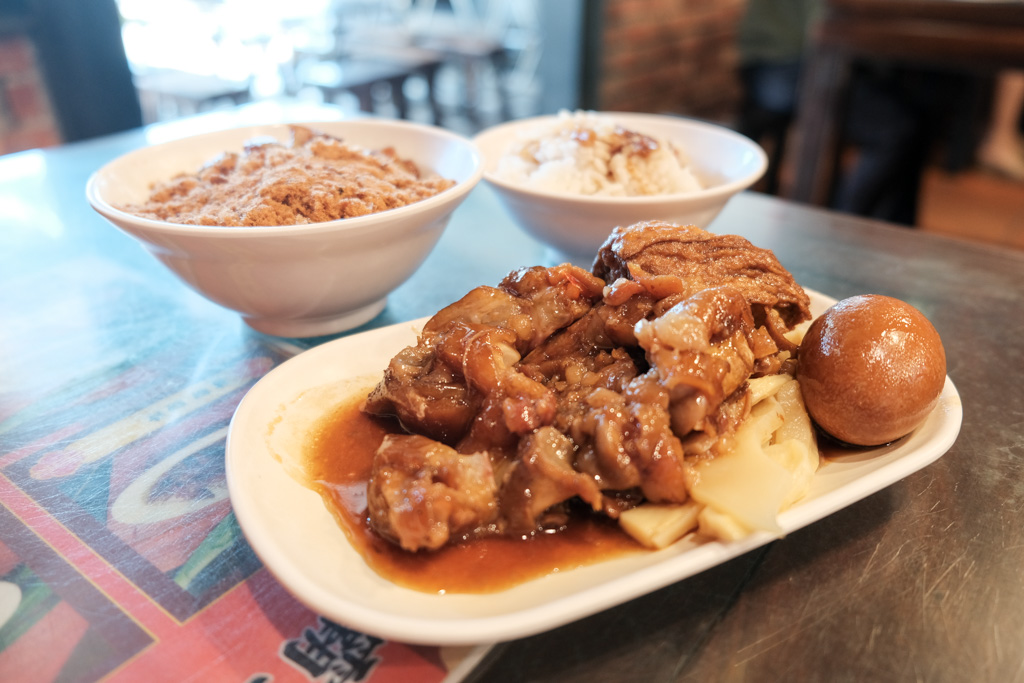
[(586, 153)]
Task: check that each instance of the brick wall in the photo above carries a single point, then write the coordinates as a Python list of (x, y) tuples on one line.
[(26, 117), (674, 56)]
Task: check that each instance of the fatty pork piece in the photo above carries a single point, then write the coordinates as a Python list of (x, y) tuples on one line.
[(658, 251), (461, 376), (423, 494), (702, 351), (630, 421), (540, 480), (634, 432)]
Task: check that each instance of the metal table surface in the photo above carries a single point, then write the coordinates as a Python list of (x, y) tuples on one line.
[(120, 558)]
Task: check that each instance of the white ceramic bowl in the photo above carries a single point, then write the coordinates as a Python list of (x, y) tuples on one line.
[(296, 280), (576, 225)]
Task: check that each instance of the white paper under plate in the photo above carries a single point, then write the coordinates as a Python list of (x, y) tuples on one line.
[(299, 541)]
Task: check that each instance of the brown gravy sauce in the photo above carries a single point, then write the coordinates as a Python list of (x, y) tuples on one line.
[(337, 465)]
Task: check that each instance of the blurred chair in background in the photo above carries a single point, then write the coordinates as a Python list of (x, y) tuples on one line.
[(364, 74), (889, 121), (462, 50), (448, 62), (360, 49), (886, 81), (894, 117), (170, 93), (1002, 146), (772, 41), (83, 59)]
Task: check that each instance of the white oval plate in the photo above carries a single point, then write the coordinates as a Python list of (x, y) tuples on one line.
[(299, 541)]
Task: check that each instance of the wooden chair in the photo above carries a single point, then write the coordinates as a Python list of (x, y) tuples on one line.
[(976, 36)]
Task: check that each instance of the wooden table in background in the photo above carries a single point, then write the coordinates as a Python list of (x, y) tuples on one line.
[(120, 558)]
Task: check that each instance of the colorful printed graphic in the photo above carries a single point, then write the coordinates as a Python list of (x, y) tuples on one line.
[(120, 557)]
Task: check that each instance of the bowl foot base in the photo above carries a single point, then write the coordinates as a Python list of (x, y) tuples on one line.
[(316, 327)]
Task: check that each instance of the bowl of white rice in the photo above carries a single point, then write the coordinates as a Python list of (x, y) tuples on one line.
[(568, 179)]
